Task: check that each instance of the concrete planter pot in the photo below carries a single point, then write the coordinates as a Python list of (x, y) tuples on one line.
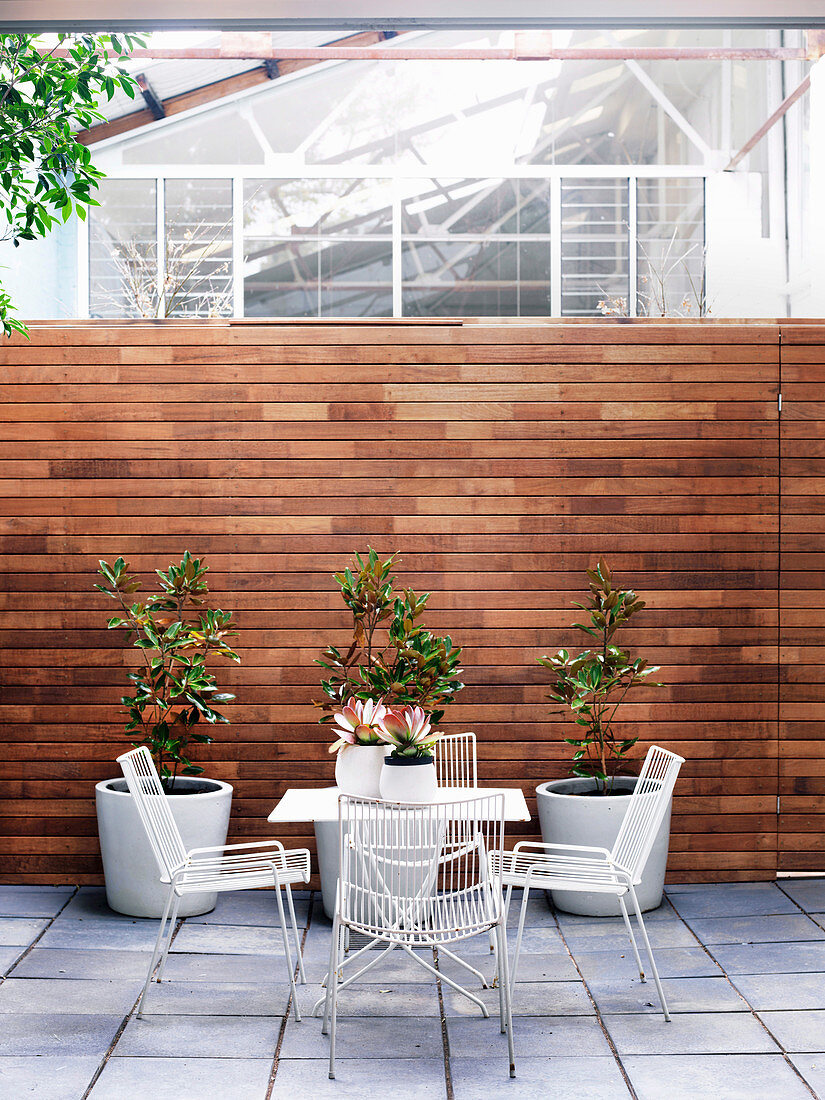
[(408, 779), (567, 817), (133, 883), (358, 769)]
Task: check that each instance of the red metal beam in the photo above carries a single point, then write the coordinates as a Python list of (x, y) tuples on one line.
[(526, 48), (780, 111)]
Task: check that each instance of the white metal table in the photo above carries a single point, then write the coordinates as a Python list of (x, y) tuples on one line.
[(319, 805)]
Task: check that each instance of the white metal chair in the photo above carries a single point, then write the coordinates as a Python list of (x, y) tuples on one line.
[(456, 760), (223, 868), (595, 870), (418, 875)]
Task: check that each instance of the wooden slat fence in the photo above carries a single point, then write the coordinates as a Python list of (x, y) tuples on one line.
[(500, 460), (802, 681)]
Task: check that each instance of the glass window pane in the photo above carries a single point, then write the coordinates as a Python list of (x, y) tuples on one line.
[(317, 207), (281, 279), (594, 246), (356, 279), (445, 207), (671, 248), (198, 248), (454, 278), (534, 279), (123, 272)]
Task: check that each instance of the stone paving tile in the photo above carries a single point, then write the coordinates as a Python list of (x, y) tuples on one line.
[(355, 1079), (44, 962), (529, 999), (101, 934), (33, 901), (392, 999), (225, 968), (8, 957), (231, 939), (183, 1079), (19, 931), (774, 929), (771, 958), (74, 1034), (220, 998), (531, 968), (595, 925), (47, 995), (665, 934), (576, 1078), (50, 1077), (736, 899), (812, 1068), (807, 892), (188, 1036), (354, 1040), (674, 962), (715, 1077), (538, 941), (782, 991), (90, 901), (551, 1035), (395, 967), (255, 907), (616, 995), (802, 1032), (689, 1033)]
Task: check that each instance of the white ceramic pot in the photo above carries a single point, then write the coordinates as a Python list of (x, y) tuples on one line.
[(133, 883), (570, 818), (408, 779), (358, 769)]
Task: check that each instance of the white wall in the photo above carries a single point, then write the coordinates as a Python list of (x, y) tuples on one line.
[(745, 271), (41, 276)]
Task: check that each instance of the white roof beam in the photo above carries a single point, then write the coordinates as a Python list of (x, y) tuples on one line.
[(408, 15)]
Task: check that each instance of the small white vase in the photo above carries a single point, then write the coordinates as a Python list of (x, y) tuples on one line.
[(408, 779), (358, 769)]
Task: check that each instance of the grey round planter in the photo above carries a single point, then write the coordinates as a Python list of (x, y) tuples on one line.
[(569, 818), (133, 883)]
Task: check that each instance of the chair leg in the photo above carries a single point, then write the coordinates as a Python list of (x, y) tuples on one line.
[(499, 981), (521, 919), (332, 973), (286, 950), (172, 920), (629, 928), (338, 943), (506, 986), (508, 894), (649, 950), (156, 952), (291, 905)]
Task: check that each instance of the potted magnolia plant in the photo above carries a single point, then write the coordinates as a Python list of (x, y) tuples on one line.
[(392, 664), (170, 709), (591, 686)]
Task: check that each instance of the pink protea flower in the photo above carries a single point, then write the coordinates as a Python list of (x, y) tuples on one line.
[(408, 730), (358, 723)]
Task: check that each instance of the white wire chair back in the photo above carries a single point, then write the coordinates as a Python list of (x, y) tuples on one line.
[(456, 760), (419, 873), (154, 811), (648, 805)]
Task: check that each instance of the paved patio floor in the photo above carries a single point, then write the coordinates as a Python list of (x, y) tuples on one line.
[(744, 970)]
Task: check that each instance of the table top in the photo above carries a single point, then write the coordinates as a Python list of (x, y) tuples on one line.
[(321, 803)]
